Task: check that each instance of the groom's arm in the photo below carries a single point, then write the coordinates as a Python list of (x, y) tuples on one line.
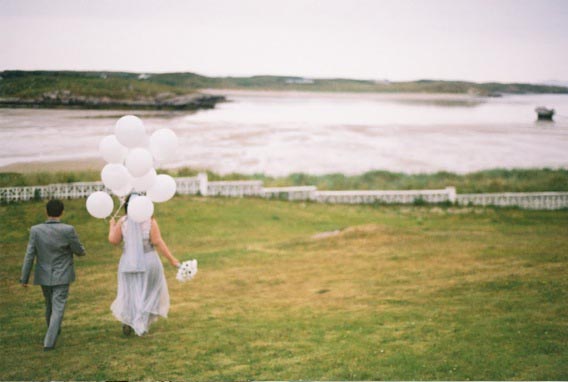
[(75, 244), (28, 259)]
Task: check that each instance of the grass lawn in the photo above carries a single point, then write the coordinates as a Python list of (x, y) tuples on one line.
[(400, 292)]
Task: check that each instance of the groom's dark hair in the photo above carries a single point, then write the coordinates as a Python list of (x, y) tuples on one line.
[(54, 208)]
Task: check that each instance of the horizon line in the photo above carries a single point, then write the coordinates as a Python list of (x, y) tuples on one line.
[(562, 82)]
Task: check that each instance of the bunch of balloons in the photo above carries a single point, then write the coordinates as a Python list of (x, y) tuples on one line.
[(130, 155)]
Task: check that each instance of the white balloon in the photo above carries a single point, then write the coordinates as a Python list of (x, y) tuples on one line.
[(130, 131), (145, 181), (115, 176), (139, 161), (100, 204), (163, 144), (111, 150), (140, 209), (124, 190), (163, 190)]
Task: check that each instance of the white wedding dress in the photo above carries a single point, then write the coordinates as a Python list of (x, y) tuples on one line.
[(142, 294)]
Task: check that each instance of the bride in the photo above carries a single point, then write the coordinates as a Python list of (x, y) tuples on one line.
[(142, 294)]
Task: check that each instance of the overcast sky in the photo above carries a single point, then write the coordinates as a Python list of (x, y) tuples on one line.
[(478, 40)]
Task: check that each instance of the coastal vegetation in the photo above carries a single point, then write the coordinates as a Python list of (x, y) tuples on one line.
[(496, 180), (96, 90), (176, 90), (303, 291)]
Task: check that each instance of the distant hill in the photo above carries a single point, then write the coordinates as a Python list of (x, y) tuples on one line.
[(114, 90), (181, 90), (555, 83), (195, 81)]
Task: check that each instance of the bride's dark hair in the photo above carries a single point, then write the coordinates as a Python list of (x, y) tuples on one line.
[(128, 200)]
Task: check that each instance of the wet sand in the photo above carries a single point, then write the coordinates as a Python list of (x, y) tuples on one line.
[(278, 133)]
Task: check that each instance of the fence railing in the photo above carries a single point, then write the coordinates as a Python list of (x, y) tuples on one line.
[(387, 197), (61, 191), (527, 200), (202, 186), (290, 193), (234, 188)]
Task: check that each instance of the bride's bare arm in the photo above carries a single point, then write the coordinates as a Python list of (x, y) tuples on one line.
[(115, 232), (160, 244)]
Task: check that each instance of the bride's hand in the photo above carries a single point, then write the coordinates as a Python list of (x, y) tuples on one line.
[(115, 222), (176, 263)]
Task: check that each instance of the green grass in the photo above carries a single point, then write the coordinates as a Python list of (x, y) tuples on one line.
[(42, 178), (400, 293), (117, 86), (497, 180)]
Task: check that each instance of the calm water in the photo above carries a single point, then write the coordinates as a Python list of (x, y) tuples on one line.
[(318, 133)]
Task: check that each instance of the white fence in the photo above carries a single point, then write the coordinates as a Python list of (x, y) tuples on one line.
[(290, 193), (201, 185), (61, 191), (387, 197), (527, 200), (189, 185), (186, 186), (234, 188)]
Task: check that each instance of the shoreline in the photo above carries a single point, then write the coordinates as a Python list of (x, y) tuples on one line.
[(209, 98), (348, 94), (56, 100), (96, 164)]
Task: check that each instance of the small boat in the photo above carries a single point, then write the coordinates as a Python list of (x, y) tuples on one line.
[(544, 114)]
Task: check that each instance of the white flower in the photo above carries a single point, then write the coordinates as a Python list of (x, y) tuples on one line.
[(187, 270)]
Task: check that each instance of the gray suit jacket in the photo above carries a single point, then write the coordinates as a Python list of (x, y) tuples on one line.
[(53, 243)]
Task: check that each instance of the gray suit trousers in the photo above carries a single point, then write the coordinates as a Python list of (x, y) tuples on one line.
[(55, 299)]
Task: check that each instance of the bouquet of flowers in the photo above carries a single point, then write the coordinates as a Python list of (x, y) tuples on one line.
[(187, 270)]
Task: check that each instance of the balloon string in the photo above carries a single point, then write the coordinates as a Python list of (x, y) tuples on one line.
[(122, 201)]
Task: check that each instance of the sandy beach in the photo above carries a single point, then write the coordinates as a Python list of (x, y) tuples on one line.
[(278, 133)]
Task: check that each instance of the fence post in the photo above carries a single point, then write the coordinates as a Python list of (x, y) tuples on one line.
[(452, 195), (202, 178)]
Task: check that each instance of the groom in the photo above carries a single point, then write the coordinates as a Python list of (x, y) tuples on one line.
[(53, 243)]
